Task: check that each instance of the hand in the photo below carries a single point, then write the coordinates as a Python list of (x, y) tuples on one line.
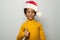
[(26, 32)]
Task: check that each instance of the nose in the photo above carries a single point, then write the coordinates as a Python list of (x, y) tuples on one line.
[(30, 13)]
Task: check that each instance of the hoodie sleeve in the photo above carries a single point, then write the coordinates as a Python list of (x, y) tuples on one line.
[(20, 34), (42, 36)]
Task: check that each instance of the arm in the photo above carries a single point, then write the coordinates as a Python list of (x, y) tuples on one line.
[(20, 33), (42, 36)]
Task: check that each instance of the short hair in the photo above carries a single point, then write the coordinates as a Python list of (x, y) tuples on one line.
[(25, 9)]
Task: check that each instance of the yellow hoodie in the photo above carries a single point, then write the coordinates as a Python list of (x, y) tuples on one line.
[(35, 29)]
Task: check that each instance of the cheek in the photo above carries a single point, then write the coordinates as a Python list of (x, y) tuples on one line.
[(27, 14), (30, 14), (33, 14)]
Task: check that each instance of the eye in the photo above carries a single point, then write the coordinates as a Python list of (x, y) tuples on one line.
[(32, 11), (28, 11)]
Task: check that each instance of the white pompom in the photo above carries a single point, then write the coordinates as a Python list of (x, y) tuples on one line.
[(39, 14)]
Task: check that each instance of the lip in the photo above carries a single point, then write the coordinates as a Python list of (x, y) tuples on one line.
[(30, 16)]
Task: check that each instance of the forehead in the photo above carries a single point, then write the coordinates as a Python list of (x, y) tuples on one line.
[(30, 9)]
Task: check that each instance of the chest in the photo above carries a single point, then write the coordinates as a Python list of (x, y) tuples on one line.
[(32, 27)]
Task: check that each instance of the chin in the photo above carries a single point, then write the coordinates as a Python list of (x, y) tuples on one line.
[(30, 18)]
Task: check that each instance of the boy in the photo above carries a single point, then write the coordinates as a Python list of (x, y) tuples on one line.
[(31, 29)]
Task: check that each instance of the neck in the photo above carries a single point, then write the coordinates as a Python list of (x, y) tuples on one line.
[(30, 20)]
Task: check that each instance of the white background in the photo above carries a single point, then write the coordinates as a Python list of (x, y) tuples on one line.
[(12, 17)]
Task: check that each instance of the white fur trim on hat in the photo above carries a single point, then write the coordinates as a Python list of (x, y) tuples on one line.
[(27, 5)]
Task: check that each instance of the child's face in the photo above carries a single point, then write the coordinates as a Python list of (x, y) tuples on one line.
[(30, 13)]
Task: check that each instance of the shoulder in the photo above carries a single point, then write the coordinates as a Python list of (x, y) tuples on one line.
[(24, 24), (38, 23)]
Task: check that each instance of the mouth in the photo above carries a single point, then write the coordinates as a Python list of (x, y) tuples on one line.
[(30, 16)]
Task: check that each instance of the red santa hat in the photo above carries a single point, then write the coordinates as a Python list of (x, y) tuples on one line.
[(33, 4)]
